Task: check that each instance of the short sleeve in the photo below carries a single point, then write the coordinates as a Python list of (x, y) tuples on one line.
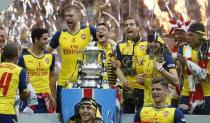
[(22, 80), (52, 66), (21, 62), (169, 62), (54, 42)]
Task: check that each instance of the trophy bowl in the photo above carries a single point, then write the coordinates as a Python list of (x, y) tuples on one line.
[(91, 55)]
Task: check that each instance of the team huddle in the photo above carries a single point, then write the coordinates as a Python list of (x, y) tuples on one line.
[(158, 84)]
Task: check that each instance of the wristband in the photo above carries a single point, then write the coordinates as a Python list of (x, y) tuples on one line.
[(161, 69)]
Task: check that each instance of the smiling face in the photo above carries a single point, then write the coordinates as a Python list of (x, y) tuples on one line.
[(102, 33), (131, 29), (158, 93), (87, 113)]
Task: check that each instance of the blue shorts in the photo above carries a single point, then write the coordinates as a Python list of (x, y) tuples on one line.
[(207, 103), (5, 118), (58, 99)]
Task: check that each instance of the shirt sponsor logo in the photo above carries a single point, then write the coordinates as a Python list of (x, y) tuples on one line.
[(73, 51), (37, 73)]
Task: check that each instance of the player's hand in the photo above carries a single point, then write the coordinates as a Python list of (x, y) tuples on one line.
[(158, 65), (140, 79), (125, 83)]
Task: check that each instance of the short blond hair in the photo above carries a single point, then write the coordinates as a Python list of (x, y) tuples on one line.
[(163, 81)]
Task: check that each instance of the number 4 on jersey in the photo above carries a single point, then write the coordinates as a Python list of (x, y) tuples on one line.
[(4, 82)]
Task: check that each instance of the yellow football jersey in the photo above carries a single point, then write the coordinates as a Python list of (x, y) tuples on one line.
[(10, 81), (71, 47), (138, 50), (153, 115), (38, 69)]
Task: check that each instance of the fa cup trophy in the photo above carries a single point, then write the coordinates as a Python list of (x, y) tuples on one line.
[(91, 70)]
